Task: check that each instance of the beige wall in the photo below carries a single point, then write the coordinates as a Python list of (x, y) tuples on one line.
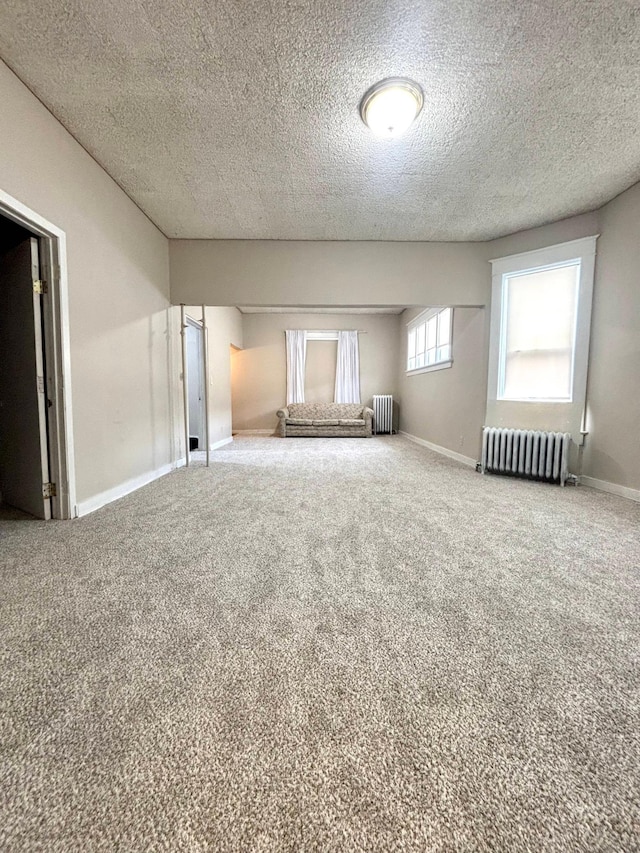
[(449, 407), (259, 370), (446, 407), (224, 331), (118, 294), (560, 417), (299, 273), (538, 238), (612, 448)]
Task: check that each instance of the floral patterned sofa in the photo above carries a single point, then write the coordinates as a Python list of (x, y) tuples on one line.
[(325, 419)]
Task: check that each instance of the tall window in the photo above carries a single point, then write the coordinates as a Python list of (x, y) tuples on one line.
[(539, 341), (537, 335), (429, 340)]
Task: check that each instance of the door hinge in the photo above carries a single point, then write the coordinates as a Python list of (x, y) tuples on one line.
[(41, 385), (40, 286), (48, 490)]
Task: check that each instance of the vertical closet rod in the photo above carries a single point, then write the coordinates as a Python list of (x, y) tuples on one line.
[(205, 364), (185, 390)]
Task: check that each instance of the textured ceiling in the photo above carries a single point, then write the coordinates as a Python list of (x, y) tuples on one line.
[(234, 119)]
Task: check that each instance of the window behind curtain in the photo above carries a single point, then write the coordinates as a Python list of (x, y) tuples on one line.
[(539, 309)]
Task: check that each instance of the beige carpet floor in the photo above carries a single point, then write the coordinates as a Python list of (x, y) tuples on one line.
[(324, 645)]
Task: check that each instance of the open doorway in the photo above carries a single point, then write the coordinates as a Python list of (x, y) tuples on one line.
[(36, 461), (235, 363), (24, 435), (195, 383)]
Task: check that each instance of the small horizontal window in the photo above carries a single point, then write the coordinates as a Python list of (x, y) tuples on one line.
[(429, 340)]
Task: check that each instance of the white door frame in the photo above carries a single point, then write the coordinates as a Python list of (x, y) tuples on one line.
[(53, 266)]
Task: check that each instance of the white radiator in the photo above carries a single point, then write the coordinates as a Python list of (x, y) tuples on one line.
[(383, 413), (526, 453)]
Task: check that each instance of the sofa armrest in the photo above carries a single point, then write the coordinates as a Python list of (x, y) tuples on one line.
[(281, 429), (367, 414)]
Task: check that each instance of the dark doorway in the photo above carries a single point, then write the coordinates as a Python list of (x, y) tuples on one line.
[(24, 445)]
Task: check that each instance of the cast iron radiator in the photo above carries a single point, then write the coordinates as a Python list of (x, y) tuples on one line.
[(382, 413), (526, 453)]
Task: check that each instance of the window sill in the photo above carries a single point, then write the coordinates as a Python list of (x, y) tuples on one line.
[(441, 365)]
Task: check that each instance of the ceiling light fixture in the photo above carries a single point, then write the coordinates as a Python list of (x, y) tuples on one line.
[(389, 107)]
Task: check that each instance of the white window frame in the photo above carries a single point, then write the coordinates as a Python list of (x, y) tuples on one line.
[(582, 251), (421, 320), (322, 335)]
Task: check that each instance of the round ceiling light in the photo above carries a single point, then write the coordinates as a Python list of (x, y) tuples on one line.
[(390, 107)]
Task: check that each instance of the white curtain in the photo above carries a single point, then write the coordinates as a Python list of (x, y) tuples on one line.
[(296, 357), (348, 369)]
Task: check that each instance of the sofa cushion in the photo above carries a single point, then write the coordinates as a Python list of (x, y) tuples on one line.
[(351, 421), (300, 421), (326, 422), (322, 411)]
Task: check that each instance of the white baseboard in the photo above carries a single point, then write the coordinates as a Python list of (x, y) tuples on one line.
[(180, 463), (254, 431), (213, 446), (221, 443), (612, 488), (444, 451), (119, 491), (110, 495)]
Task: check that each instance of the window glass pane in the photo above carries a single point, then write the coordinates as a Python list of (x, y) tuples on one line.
[(537, 347), (411, 344), (432, 325), (429, 342), (444, 327)]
